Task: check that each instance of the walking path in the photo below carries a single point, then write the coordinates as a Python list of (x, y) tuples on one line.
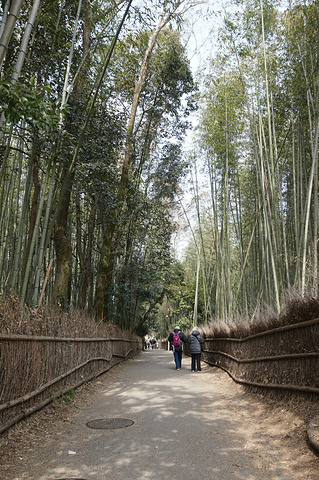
[(186, 426)]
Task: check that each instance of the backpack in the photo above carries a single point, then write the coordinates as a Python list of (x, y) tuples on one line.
[(176, 340)]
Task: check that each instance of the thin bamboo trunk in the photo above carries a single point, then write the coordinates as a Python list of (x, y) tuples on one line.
[(196, 292), (315, 189), (68, 68), (25, 40), (43, 240), (19, 247), (5, 221), (8, 29), (34, 238), (202, 250), (4, 16), (308, 206)]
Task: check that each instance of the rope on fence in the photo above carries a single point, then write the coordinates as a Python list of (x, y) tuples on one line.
[(44, 387), (296, 388), (263, 359)]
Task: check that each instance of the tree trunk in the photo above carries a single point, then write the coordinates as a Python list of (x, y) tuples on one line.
[(62, 239), (63, 248), (34, 205), (103, 270)]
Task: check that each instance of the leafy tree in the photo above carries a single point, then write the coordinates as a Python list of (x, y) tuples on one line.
[(157, 104)]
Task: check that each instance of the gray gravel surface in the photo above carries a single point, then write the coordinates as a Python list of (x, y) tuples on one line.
[(191, 426)]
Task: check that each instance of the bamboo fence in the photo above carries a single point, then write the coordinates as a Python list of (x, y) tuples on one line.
[(34, 370)]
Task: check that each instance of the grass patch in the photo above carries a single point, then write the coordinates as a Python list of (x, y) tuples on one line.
[(68, 396)]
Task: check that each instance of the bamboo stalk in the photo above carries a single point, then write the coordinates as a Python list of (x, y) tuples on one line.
[(8, 29), (4, 16), (25, 40), (45, 281), (43, 241), (18, 252), (68, 68), (34, 238)]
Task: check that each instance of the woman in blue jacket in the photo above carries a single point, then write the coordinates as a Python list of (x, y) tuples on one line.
[(195, 341)]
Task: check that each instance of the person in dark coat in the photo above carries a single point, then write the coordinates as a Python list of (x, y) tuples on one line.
[(177, 350), (195, 341)]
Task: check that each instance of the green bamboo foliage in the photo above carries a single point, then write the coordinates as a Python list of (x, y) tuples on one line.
[(268, 223)]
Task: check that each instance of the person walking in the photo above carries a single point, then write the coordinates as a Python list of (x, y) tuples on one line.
[(176, 340), (195, 341)]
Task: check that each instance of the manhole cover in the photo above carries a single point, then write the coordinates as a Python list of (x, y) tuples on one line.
[(108, 423)]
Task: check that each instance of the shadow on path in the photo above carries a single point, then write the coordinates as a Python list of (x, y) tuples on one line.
[(187, 426)]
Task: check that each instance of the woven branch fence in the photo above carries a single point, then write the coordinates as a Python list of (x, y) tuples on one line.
[(280, 361), (34, 370)]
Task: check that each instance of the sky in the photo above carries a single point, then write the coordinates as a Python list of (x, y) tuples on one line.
[(201, 31)]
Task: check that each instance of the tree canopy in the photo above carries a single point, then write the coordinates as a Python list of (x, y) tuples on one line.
[(96, 103)]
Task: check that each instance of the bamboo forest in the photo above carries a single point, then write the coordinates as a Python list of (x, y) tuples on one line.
[(117, 148)]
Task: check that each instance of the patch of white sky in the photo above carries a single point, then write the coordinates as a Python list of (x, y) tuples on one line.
[(200, 34)]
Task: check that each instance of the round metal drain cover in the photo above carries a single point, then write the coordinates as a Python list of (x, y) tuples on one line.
[(109, 423)]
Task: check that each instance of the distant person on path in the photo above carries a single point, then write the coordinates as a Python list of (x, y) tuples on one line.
[(176, 340), (195, 341)]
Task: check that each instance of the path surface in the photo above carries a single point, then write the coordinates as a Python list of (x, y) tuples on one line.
[(186, 426)]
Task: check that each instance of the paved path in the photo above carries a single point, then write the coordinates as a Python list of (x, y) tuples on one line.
[(191, 426)]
